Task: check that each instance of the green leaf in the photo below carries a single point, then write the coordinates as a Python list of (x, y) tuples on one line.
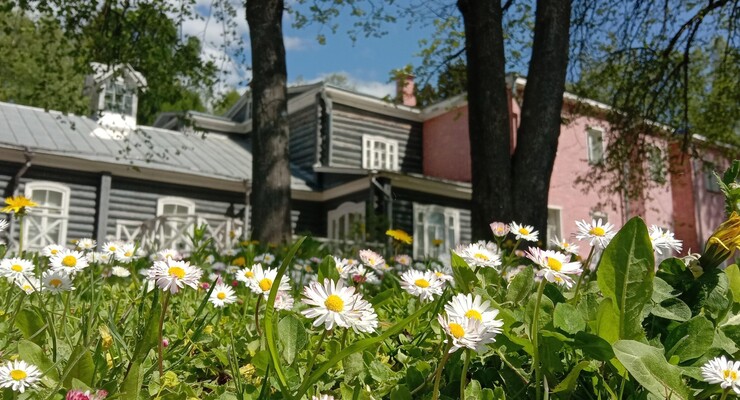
[(691, 339), (625, 275), (733, 275), (593, 346), (150, 335), (293, 337), (649, 367), (32, 353), (401, 392), (521, 286), (569, 383), (382, 297), (354, 366), (662, 290), (568, 318), (80, 367), (731, 328), (673, 309), (465, 279), (607, 323), (711, 293), (31, 325), (473, 390), (328, 269), (133, 382)]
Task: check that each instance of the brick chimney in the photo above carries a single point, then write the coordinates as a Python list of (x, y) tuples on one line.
[(405, 90)]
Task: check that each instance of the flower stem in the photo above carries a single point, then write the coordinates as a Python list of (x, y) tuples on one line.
[(533, 334), (464, 373), (257, 314), (724, 394), (20, 237), (584, 272), (438, 375), (161, 325), (312, 361)]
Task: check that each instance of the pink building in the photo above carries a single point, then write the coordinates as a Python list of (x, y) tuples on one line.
[(683, 200)]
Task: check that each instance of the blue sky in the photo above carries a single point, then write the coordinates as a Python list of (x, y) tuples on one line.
[(367, 63)]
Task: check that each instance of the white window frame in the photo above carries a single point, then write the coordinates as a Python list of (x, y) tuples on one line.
[(598, 214), (558, 223), (423, 245), (341, 215), (591, 134), (710, 181), (390, 163), (42, 213), (121, 92), (171, 222)]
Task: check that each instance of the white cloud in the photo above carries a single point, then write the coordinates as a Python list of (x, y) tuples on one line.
[(295, 43), (370, 87)]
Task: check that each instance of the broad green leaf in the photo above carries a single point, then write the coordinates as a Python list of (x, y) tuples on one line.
[(569, 383), (711, 294), (328, 269), (354, 366), (593, 346), (382, 297), (607, 322), (568, 318), (401, 392), (673, 309), (473, 390), (133, 382), (80, 367), (662, 290), (31, 325), (731, 328), (625, 275), (521, 286), (31, 353), (691, 339), (150, 336), (293, 337), (721, 341), (649, 367), (465, 279), (733, 275)]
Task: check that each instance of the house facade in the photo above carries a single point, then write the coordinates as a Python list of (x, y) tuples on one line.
[(359, 165)]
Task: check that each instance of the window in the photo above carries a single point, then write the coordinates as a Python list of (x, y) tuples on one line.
[(47, 223), (598, 214), (595, 139), (656, 167), (436, 230), (379, 153), (177, 217), (118, 98), (347, 222), (554, 223), (710, 181)]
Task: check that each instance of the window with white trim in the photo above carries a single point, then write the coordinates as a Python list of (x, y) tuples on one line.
[(47, 223), (554, 223), (347, 222), (436, 229), (177, 217), (595, 143), (710, 180), (119, 98), (379, 153)]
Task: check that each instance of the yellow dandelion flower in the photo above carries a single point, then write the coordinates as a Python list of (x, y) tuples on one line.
[(18, 204), (400, 235), (723, 243)]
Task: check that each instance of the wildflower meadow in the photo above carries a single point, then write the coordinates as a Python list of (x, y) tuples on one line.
[(593, 317)]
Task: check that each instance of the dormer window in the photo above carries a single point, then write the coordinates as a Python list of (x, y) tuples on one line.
[(118, 98)]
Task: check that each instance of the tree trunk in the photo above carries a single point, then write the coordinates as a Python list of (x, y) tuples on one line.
[(270, 159), (488, 116), (537, 138)]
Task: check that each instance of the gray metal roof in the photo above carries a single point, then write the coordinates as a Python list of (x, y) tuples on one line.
[(205, 154)]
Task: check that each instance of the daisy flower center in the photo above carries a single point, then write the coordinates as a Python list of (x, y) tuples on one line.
[(221, 295), (266, 284), (334, 303), (112, 248), (249, 274), (422, 283), (439, 274), (597, 231), (54, 251), (177, 272), (524, 231), (481, 256), (730, 374), (27, 287), (18, 374), (456, 330), (554, 264), (128, 254), (17, 268), (69, 261), (55, 282), (474, 314)]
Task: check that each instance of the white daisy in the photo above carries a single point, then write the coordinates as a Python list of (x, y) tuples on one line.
[(524, 232), (469, 306), (120, 272), (360, 274), (268, 258), (476, 255), (344, 266), (28, 284), (169, 253), (371, 259), (322, 397), (173, 275), (245, 275), (335, 305), (86, 244), (403, 259), (97, 257), (56, 281), (111, 247), (283, 301), (500, 229), (597, 233), (466, 332), (51, 250), (554, 266), (16, 268), (3, 224), (222, 295), (70, 261), (444, 274), (422, 284), (19, 376), (720, 370), (263, 279), (565, 245), (126, 252), (664, 239)]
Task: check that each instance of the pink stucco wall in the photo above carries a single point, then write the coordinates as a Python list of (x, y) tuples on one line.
[(446, 146)]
